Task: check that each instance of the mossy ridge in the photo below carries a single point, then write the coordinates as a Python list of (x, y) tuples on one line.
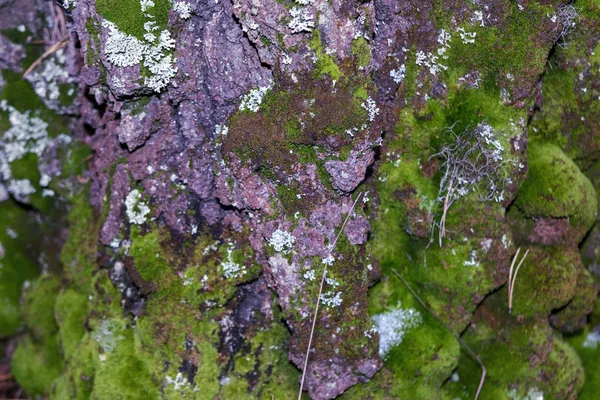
[(37, 361), (517, 47), (574, 316), (547, 280), (519, 356), (349, 279), (556, 188), (417, 367)]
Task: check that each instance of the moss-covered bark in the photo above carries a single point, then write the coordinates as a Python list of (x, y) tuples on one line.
[(181, 251)]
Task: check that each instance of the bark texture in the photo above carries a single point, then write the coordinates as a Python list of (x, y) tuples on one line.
[(175, 176)]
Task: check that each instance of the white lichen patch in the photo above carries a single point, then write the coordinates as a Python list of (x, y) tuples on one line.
[(399, 74), (47, 78), (183, 9), (136, 209), (27, 135), (68, 4), (393, 325), (179, 382), (229, 267), (467, 37), (155, 52), (371, 108), (106, 335), (282, 241), (591, 340), (533, 394), (472, 261), (331, 299), (301, 21), (252, 100)]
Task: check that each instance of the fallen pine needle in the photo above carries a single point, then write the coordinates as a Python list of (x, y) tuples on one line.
[(54, 48)]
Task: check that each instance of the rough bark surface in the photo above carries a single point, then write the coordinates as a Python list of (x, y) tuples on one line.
[(175, 178)]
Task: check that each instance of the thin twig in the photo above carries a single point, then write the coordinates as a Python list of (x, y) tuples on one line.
[(462, 342), (312, 330), (54, 48)]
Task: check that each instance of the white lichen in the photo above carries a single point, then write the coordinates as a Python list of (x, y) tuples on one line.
[(393, 325), (252, 100), (230, 268), (135, 208), (178, 383), (27, 135), (146, 4), (282, 241), (155, 53), (68, 4), (331, 299), (106, 335), (46, 80), (399, 74), (183, 8), (302, 20), (371, 107), (591, 340)]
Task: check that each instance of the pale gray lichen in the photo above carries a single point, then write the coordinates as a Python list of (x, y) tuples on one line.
[(230, 268), (282, 241), (252, 100), (123, 50), (106, 335), (183, 8), (135, 208), (591, 340), (46, 80), (27, 135), (393, 325), (302, 20)]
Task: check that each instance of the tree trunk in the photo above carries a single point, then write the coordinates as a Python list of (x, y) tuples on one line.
[(191, 178)]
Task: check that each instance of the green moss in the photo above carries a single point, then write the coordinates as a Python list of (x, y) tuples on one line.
[(547, 280), (325, 63), (38, 306), (16, 36), (417, 367), (556, 188), (77, 379), (78, 254), (128, 16), (361, 51), (17, 265), (36, 365), (124, 374), (147, 254), (520, 41), (70, 311)]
